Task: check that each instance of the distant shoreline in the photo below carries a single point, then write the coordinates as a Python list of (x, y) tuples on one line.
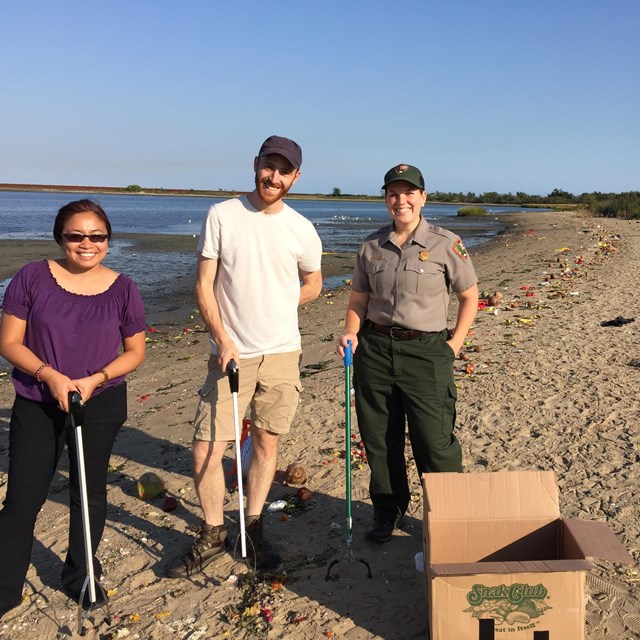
[(204, 193), (195, 193)]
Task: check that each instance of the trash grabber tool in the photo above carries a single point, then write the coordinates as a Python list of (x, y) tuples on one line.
[(76, 412), (234, 385), (348, 556)]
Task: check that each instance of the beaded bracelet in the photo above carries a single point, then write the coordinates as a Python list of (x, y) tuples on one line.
[(39, 371), (106, 376)]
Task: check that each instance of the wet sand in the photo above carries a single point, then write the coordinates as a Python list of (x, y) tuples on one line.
[(168, 296)]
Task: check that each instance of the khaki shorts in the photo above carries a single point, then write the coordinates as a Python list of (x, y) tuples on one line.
[(270, 384)]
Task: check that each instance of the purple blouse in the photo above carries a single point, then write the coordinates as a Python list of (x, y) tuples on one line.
[(76, 334)]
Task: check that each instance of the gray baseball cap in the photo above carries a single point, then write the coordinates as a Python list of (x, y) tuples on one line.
[(284, 147)]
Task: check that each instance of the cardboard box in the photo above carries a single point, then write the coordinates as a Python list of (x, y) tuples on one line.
[(501, 563)]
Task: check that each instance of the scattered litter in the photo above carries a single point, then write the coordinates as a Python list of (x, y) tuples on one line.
[(617, 322), (296, 473), (277, 505), (253, 614)]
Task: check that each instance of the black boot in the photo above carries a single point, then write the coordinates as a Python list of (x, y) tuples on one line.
[(101, 596), (262, 555), (383, 528)]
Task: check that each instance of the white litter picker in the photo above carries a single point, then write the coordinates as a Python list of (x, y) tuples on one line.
[(76, 412), (234, 384)]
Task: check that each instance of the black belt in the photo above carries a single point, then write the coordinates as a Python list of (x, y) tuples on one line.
[(400, 333)]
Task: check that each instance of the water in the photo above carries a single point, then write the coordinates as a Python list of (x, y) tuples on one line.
[(340, 224)]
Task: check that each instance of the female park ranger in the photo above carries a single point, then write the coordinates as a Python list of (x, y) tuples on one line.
[(403, 352)]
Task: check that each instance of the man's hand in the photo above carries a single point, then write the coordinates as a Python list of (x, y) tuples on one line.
[(227, 351)]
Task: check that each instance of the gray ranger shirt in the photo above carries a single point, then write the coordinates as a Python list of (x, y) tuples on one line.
[(409, 286)]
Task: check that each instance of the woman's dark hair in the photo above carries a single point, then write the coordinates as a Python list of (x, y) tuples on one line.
[(78, 206)]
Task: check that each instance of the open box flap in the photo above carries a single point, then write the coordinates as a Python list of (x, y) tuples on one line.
[(508, 515), (592, 540), (503, 495)]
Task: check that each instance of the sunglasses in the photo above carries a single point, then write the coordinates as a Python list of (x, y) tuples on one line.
[(96, 238)]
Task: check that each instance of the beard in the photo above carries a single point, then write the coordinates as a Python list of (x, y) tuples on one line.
[(267, 197)]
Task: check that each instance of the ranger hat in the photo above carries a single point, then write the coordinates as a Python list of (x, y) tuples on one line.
[(404, 172), (284, 147)]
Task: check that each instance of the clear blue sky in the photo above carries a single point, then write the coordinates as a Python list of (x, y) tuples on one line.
[(499, 95)]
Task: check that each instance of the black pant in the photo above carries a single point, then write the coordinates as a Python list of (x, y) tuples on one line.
[(400, 383), (38, 434)]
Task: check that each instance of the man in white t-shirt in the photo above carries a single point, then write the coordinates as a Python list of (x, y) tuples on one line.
[(253, 253)]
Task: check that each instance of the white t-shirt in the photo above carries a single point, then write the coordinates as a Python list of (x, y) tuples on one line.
[(257, 285)]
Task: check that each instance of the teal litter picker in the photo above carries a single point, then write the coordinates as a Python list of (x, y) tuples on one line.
[(348, 555)]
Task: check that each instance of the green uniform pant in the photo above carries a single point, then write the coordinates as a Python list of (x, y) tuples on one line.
[(400, 382)]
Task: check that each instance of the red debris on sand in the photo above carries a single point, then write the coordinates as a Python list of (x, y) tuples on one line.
[(169, 504)]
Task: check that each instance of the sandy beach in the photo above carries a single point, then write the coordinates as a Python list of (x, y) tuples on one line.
[(544, 386)]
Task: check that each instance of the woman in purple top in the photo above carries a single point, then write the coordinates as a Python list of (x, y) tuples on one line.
[(70, 324)]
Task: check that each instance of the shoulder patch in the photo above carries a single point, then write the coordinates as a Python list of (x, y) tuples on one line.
[(460, 249)]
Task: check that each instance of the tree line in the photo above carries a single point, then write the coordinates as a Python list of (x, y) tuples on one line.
[(613, 205)]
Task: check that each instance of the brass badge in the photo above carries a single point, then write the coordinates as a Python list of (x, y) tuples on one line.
[(423, 256)]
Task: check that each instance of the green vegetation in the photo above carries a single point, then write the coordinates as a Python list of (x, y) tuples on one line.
[(612, 205), (472, 211), (134, 188)]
